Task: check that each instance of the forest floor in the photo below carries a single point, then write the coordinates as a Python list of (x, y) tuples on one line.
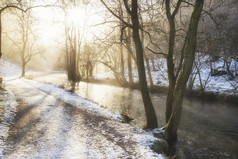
[(47, 127)]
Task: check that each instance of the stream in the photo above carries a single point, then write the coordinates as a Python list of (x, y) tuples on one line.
[(208, 129)]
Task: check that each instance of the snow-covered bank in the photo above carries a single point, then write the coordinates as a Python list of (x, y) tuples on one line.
[(11, 71), (75, 100), (8, 103), (8, 69), (216, 84)]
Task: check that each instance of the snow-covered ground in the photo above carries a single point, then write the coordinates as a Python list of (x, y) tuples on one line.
[(11, 71), (8, 102), (29, 91)]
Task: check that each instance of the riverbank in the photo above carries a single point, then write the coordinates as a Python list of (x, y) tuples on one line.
[(213, 123), (218, 88), (205, 95), (78, 127)]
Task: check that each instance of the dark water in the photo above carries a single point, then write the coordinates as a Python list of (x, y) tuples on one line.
[(208, 130)]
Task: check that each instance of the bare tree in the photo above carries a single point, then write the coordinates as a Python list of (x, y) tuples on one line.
[(73, 39), (132, 10), (26, 44), (178, 80), (218, 34), (121, 26), (116, 43), (3, 6), (11, 4), (88, 60), (130, 53)]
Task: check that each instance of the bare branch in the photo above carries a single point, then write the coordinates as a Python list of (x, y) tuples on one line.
[(127, 24), (176, 8), (13, 41), (127, 7), (129, 50), (206, 12), (29, 8), (157, 53)]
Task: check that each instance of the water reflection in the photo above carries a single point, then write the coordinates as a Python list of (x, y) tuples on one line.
[(114, 98), (207, 129)]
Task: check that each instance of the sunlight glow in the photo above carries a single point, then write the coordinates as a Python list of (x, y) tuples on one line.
[(77, 17), (52, 23)]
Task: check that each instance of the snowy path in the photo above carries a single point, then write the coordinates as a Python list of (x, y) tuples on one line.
[(46, 127)]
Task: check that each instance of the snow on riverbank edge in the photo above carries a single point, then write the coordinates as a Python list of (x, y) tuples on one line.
[(220, 84), (9, 102), (75, 100)]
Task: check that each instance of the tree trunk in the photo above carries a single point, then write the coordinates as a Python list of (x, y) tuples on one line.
[(149, 71), (147, 61), (170, 68), (67, 52), (77, 47), (23, 60), (149, 109), (75, 56), (1, 85), (68, 64), (153, 64), (23, 69), (189, 52), (122, 60), (129, 61), (121, 44), (146, 57), (73, 70), (130, 69), (200, 78), (0, 34)]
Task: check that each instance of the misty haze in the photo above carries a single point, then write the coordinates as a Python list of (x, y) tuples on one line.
[(118, 79)]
